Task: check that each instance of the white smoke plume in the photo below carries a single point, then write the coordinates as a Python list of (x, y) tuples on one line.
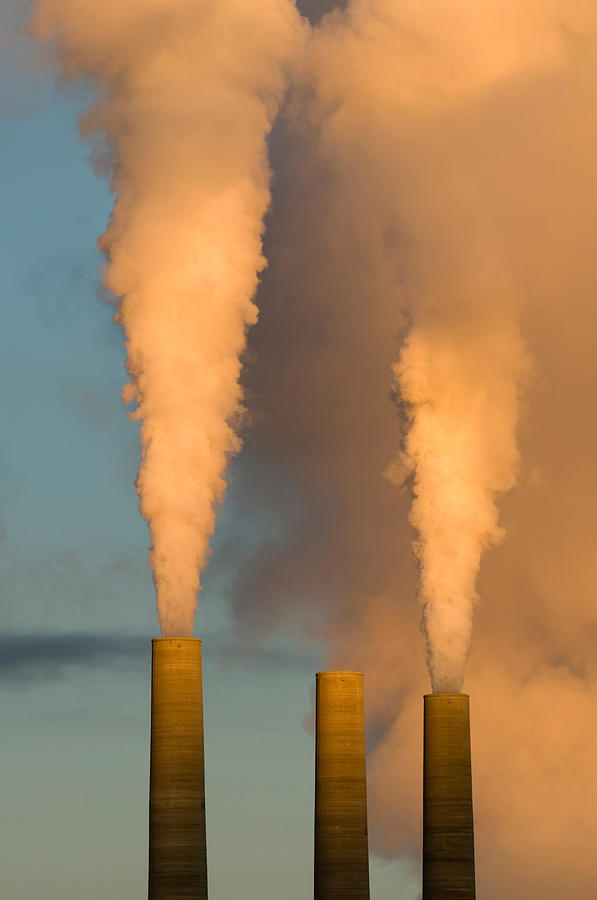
[(187, 94), (469, 185), (458, 380), (400, 122)]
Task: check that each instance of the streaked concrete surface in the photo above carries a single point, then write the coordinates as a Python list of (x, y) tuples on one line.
[(341, 842), (177, 839), (448, 834)]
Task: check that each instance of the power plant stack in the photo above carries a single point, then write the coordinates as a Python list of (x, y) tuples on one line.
[(177, 840), (341, 843), (448, 839)]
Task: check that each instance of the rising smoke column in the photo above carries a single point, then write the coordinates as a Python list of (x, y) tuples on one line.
[(457, 378), (496, 152), (187, 96), (396, 120)]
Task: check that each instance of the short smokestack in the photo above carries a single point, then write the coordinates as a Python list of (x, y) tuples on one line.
[(177, 842), (448, 840), (341, 844)]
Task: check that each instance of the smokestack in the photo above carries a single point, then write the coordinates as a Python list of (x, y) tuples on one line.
[(341, 845), (448, 840), (177, 842)]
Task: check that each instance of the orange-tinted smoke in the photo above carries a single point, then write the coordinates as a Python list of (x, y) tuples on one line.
[(418, 73), (405, 181), (187, 93), (458, 381)]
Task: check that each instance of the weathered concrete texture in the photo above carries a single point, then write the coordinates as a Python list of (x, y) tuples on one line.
[(448, 839), (177, 842), (341, 844)]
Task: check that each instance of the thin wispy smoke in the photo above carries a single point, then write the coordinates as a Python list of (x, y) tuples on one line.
[(26, 658), (31, 658), (187, 94)]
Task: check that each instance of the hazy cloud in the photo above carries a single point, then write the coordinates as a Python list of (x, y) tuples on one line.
[(26, 658)]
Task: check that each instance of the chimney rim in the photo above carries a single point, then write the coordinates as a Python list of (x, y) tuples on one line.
[(338, 672), (175, 637), (445, 694)]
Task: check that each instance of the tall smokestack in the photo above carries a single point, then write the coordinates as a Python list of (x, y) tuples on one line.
[(177, 842), (341, 845), (448, 840)]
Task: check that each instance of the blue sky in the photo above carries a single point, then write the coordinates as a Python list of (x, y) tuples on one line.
[(73, 549)]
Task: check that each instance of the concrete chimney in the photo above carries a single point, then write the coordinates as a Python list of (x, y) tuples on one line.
[(341, 844), (177, 842), (448, 841)]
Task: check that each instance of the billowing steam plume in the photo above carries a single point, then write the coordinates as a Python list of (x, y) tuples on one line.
[(187, 96), (457, 377), (396, 120)]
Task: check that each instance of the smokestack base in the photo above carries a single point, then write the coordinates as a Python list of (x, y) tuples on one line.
[(341, 841), (448, 835), (177, 839)]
